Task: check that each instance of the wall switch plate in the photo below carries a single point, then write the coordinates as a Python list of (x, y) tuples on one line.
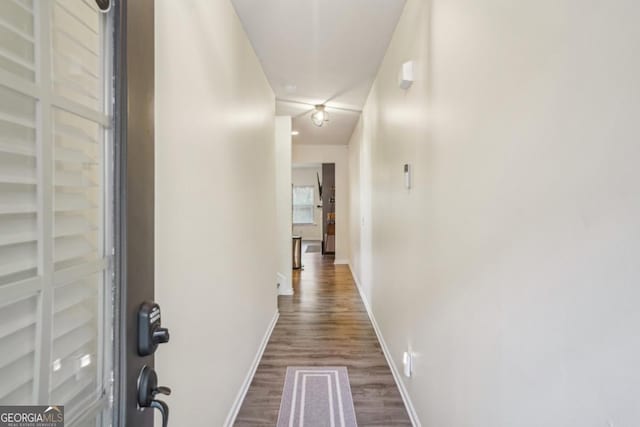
[(407, 176)]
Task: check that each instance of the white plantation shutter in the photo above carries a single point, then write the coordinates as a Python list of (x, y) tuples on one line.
[(18, 239), (18, 208), (77, 59), (75, 344), (77, 241), (55, 282)]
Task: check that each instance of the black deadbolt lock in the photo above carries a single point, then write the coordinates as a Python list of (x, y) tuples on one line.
[(150, 334)]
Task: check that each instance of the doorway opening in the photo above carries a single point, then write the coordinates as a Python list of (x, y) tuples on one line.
[(306, 201), (329, 209), (313, 207)]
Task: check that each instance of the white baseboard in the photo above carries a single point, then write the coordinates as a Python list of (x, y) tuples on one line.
[(341, 261), (284, 291), (237, 403), (387, 354)]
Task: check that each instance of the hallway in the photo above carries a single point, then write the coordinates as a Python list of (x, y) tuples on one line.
[(325, 324), (469, 166)]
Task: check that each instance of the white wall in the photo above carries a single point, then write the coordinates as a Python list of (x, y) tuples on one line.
[(283, 203), (511, 268), (339, 155), (215, 226), (308, 175)]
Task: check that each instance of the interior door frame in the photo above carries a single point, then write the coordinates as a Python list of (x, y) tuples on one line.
[(134, 197)]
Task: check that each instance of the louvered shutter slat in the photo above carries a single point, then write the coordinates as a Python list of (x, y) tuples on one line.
[(72, 390), (17, 346), (20, 396), (67, 344), (70, 319), (15, 201), (71, 295), (67, 375), (73, 156), (18, 229), (15, 375), (18, 190), (17, 338), (14, 146), (70, 225), (17, 48)]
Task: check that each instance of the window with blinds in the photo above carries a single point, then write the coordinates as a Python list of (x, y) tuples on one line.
[(303, 208), (55, 158)]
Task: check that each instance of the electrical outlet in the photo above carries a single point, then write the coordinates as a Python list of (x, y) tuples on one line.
[(407, 361)]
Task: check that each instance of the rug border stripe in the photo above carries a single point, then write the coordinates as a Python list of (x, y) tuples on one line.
[(295, 381)]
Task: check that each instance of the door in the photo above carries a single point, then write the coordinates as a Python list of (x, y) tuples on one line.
[(135, 197), (56, 216)]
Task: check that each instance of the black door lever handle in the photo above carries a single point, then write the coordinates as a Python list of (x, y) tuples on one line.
[(164, 410), (162, 390), (147, 390)]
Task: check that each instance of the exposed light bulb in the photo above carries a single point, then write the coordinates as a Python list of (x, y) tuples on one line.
[(319, 116), (295, 132)]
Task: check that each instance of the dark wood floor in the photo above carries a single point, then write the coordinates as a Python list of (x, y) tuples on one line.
[(325, 324)]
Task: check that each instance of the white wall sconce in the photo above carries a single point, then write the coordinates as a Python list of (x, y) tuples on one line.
[(406, 75)]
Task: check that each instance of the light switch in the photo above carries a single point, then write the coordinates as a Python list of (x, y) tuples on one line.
[(407, 176)]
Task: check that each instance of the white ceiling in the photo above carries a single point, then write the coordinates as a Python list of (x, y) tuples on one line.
[(320, 51)]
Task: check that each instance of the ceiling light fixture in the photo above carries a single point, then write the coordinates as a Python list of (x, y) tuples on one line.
[(295, 132), (319, 115)]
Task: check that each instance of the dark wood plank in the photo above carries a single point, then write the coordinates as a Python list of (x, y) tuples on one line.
[(325, 324)]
